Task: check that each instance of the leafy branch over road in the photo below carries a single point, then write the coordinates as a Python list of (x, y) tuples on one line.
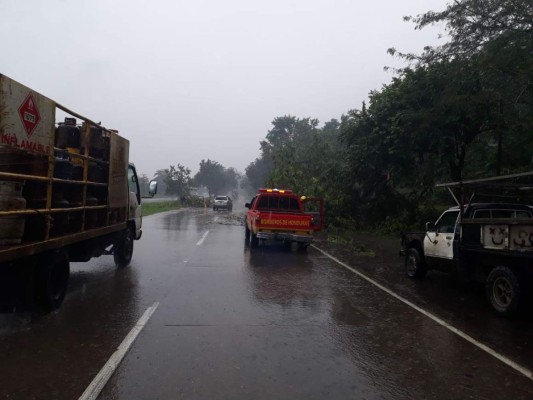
[(457, 111)]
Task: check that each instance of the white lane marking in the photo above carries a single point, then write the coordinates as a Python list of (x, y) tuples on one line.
[(202, 238), (100, 380), (523, 370)]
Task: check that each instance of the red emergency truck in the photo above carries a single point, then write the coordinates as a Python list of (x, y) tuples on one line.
[(279, 214)]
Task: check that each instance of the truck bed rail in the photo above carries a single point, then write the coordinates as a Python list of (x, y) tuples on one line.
[(13, 252)]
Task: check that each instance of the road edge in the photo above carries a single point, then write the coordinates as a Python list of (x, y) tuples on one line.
[(517, 367)]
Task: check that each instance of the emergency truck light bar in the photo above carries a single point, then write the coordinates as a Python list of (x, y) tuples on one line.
[(283, 191)]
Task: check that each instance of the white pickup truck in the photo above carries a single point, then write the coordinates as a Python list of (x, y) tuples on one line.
[(491, 243)]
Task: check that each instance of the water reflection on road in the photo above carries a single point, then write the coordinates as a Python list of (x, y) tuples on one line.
[(241, 323)]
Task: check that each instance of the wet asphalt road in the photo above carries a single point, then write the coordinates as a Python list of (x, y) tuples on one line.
[(271, 323)]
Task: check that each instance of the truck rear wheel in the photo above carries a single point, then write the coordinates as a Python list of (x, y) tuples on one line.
[(503, 291), (123, 249), (303, 246), (254, 240), (53, 271), (414, 267)]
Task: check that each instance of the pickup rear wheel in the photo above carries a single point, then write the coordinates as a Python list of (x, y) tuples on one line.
[(53, 271), (503, 291), (303, 246), (246, 231), (254, 240), (123, 249), (414, 267)]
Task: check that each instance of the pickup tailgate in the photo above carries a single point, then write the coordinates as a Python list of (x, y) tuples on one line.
[(283, 221)]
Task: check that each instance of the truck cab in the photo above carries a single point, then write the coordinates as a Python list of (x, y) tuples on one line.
[(442, 238), (134, 206), (439, 239)]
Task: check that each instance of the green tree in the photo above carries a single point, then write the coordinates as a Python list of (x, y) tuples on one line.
[(215, 177), (457, 111), (231, 178), (472, 24), (298, 155), (177, 180), (497, 37), (417, 130), (286, 145), (258, 172)]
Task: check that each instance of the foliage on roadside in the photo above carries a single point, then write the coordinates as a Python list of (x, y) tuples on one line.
[(160, 206), (174, 180), (345, 237), (458, 111), (216, 178)]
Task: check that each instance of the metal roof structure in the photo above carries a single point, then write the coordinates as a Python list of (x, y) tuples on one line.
[(513, 188)]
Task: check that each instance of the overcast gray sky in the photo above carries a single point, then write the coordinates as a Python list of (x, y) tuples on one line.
[(191, 80)]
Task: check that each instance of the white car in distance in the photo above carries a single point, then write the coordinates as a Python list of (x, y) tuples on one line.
[(222, 203)]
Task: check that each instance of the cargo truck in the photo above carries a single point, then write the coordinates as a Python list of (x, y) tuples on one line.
[(67, 193)]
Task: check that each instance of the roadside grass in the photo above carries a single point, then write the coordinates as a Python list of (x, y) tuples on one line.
[(344, 233), (159, 206), (351, 244), (347, 239)]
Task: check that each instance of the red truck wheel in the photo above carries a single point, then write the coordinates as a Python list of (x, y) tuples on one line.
[(303, 246), (254, 240)]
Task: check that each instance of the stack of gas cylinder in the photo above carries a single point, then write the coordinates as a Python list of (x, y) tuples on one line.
[(11, 199)]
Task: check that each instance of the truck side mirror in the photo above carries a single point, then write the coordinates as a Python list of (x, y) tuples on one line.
[(152, 188), (430, 226), (247, 205)]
